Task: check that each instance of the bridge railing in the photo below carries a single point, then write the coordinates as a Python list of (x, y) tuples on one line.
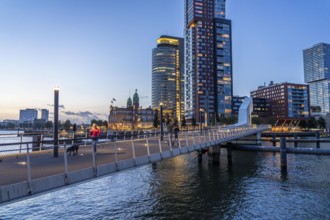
[(22, 164)]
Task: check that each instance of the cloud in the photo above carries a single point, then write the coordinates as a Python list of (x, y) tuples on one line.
[(59, 106), (144, 97), (86, 116)]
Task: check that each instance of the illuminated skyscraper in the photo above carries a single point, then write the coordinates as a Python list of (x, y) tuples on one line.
[(208, 60), (167, 75), (317, 75)]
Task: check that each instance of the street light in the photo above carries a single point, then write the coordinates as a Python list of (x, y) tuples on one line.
[(200, 119), (161, 121), (56, 94)]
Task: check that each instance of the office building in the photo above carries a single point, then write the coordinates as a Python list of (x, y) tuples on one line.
[(237, 102), (44, 115), (287, 101), (28, 115), (167, 75), (317, 76), (208, 60)]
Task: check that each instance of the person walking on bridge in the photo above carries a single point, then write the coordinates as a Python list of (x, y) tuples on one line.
[(94, 133)]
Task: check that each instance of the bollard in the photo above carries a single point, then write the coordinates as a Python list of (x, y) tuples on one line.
[(317, 139), (283, 153), (295, 140)]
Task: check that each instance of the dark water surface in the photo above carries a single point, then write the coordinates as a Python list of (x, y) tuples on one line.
[(181, 188)]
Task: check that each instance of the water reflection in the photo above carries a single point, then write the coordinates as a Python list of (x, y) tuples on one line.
[(254, 187)]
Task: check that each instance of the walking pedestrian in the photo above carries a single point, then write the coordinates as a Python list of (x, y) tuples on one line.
[(94, 133), (176, 134)]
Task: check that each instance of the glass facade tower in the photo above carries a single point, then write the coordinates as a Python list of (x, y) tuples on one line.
[(317, 75), (208, 60), (167, 75)]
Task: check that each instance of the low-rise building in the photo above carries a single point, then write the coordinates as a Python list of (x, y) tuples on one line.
[(132, 116)]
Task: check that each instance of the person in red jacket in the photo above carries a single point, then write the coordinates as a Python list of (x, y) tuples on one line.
[(94, 133)]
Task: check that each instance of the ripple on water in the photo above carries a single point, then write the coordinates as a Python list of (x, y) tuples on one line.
[(181, 188)]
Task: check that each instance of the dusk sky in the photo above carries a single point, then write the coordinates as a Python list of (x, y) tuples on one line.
[(96, 50)]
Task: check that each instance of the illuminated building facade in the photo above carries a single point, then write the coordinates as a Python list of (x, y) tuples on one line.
[(132, 117), (167, 75), (317, 75), (286, 100), (208, 64)]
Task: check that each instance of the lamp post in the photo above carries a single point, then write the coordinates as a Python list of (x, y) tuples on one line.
[(200, 119), (56, 94), (161, 121)]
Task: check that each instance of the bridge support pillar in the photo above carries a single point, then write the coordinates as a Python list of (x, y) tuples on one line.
[(200, 156), (214, 154), (283, 153), (229, 153), (258, 140)]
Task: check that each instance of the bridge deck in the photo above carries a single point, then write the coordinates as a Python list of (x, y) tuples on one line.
[(24, 174)]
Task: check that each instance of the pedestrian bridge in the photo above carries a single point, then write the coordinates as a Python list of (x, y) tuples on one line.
[(26, 172)]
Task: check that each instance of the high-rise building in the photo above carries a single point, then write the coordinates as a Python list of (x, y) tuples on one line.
[(287, 101), (28, 115), (208, 60), (44, 115), (317, 75), (167, 75)]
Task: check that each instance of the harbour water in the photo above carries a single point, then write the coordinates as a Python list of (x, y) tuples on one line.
[(181, 188)]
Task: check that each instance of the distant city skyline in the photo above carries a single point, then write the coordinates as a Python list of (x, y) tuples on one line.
[(98, 50)]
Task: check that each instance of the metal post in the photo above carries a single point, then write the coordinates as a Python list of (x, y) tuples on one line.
[(283, 153), (94, 162), (56, 94), (170, 143), (20, 146), (187, 143), (295, 140), (41, 142), (65, 166), (116, 154), (28, 165), (133, 152), (161, 122), (148, 150), (160, 148), (318, 139)]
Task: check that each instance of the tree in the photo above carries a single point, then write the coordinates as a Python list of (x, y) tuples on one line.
[(303, 124), (176, 121), (321, 122), (49, 124), (105, 123), (183, 121), (256, 120), (67, 125), (312, 123), (193, 121), (156, 120), (93, 121)]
